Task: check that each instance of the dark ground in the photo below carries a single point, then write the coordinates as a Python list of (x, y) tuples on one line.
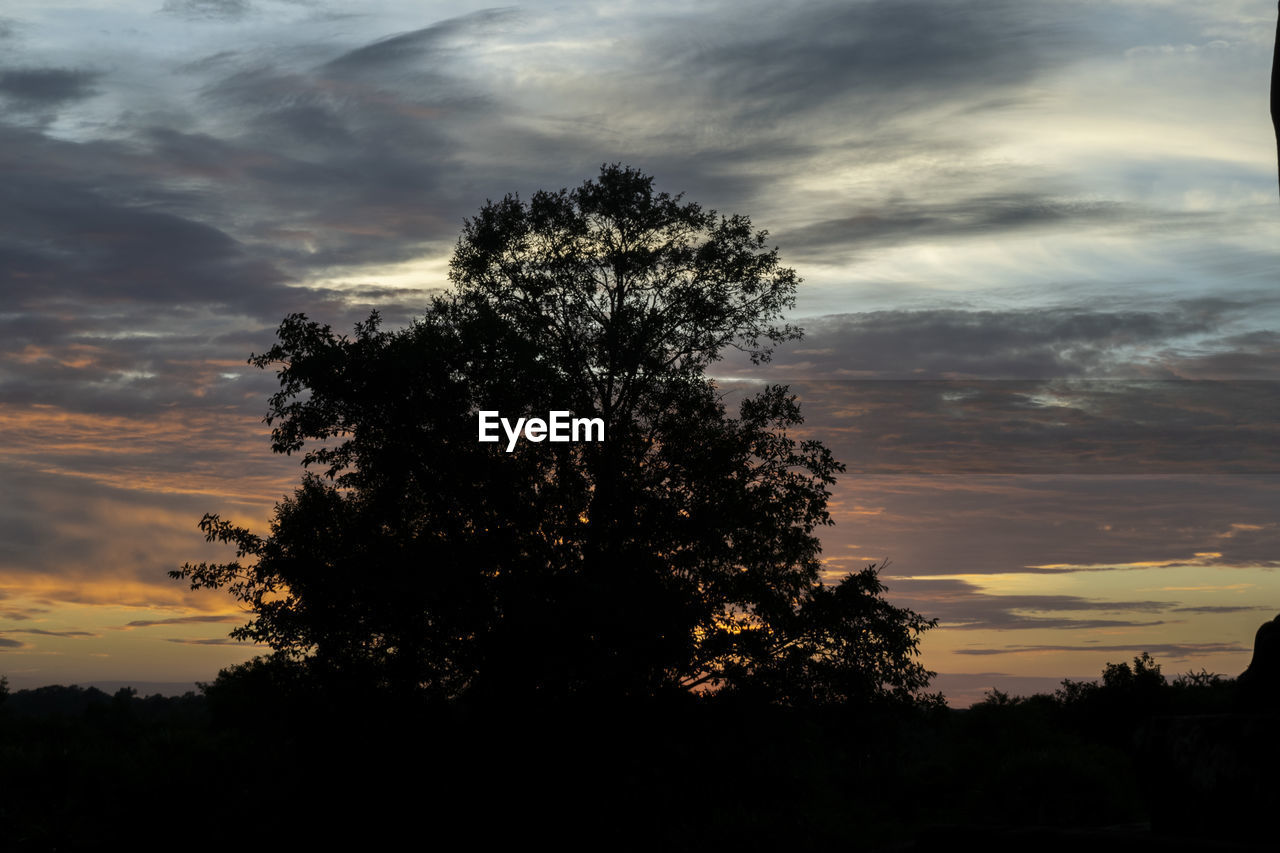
[(1157, 767)]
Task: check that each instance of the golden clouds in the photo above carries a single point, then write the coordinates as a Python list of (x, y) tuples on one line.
[(178, 451)]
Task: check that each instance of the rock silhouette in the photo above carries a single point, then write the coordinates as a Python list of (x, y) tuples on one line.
[(1260, 682)]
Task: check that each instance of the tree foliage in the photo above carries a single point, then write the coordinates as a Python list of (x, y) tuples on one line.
[(678, 554), (1144, 675)]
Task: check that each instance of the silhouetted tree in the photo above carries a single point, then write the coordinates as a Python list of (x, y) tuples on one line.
[(1143, 676), (677, 554)]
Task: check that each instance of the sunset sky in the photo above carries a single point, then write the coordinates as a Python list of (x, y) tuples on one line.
[(1040, 244)]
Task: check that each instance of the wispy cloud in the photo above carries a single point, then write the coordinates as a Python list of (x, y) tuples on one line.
[(1177, 651), (212, 641), (207, 10), (1223, 608), (184, 620), (43, 633), (963, 605)]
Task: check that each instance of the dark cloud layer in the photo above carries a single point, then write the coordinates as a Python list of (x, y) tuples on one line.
[(67, 242), (891, 222), (1177, 651), (184, 620), (1030, 343), (953, 524), (1222, 608), (344, 154), (1040, 390), (212, 641), (893, 53), (111, 533), (1067, 427), (961, 605), (42, 633), (38, 87)]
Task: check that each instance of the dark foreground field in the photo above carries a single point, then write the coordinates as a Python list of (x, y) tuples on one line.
[(1088, 766)]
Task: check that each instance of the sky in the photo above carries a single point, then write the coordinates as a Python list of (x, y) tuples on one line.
[(1040, 244)]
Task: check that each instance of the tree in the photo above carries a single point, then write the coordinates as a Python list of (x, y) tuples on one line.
[(1144, 676), (678, 554)]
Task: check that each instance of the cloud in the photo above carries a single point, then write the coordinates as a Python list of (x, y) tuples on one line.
[(68, 539), (1252, 355), (952, 523), (962, 605), (63, 240), (1205, 559), (43, 633), (300, 166), (1044, 427), (1014, 344), (32, 88), (6, 643), (211, 641), (1223, 608), (183, 620), (895, 221), (412, 47), (23, 614), (115, 305), (19, 614), (137, 268), (1040, 390), (207, 10), (1177, 651), (891, 55)]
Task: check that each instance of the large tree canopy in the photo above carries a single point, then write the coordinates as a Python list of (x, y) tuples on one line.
[(680, 553)]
